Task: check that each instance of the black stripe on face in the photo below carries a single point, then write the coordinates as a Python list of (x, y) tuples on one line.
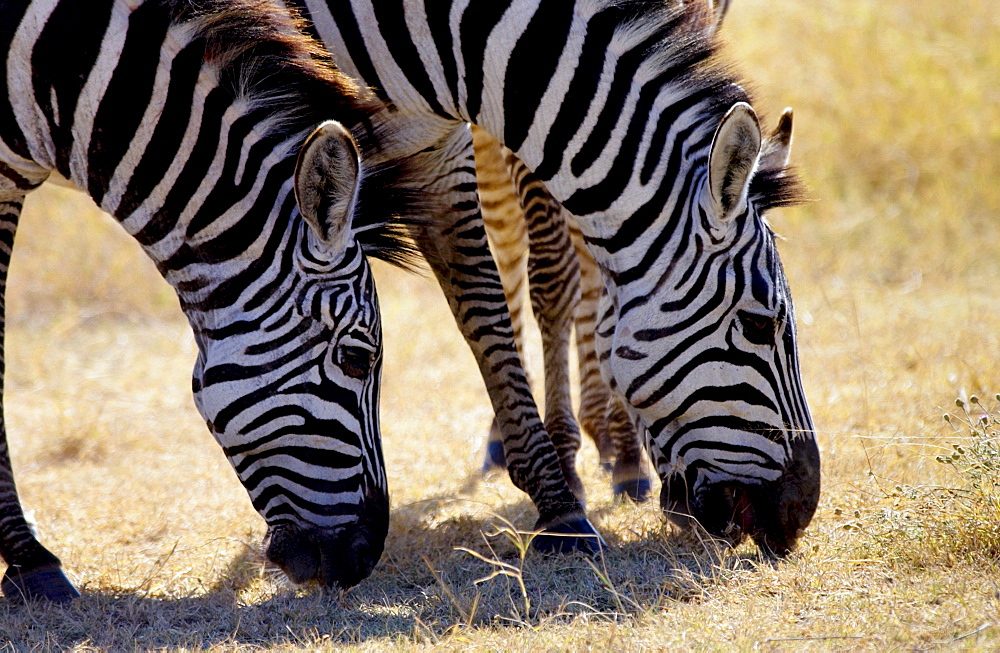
[(229, 291), (725, 423), (729, 356), (741, 392), (291, 503)]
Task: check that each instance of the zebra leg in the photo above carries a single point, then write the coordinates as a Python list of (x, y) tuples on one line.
[(457, 250), (628, 479), (554, 284), (33, 572), (601, 413), (594, 392), (508, 238)]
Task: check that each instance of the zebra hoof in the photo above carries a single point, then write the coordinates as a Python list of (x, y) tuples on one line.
[(638, 490), (495, 457), (47, 583), (577, 536)]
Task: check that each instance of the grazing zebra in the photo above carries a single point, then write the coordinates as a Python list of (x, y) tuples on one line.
[(210, 130), (569, 279), (624, 112)]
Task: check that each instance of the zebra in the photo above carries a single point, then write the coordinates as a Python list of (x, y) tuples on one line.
[(625, 113), (569, 279), (252, 172)]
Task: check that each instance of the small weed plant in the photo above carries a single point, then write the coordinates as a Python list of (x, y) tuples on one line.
[(957, 518)]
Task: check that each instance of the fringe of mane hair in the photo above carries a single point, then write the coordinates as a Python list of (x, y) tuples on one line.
[(264, 54), (681, 36)]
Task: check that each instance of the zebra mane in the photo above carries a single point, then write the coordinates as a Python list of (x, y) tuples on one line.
[(772, 188), (265, 58), (680, 36)]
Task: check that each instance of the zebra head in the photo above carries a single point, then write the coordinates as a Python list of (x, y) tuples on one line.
[(714, 381), (290, 386)]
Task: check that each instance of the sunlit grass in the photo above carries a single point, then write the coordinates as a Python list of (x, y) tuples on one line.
[(894, 267)]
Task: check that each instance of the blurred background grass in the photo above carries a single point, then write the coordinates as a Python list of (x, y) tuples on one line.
[(894, 268)]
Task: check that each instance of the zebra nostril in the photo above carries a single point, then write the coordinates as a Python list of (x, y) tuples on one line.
[(348, 557)]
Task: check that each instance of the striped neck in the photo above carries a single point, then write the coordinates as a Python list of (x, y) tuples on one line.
[(603, 100)]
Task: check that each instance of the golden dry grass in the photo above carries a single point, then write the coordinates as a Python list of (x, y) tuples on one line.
[(894, 268)]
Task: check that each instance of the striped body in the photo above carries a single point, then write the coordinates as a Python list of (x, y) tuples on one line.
[(195, 125), (620, 108)]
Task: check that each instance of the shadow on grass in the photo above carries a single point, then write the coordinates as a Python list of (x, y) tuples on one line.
[(423, 589)]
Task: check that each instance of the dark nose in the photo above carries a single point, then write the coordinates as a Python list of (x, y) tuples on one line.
[(341, 557), (772, 514)]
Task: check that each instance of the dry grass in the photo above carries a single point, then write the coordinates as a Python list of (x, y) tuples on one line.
[(894, 268)]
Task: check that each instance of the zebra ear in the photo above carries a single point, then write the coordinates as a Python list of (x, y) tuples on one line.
[(732, 159), (327, 179), (777, 149)]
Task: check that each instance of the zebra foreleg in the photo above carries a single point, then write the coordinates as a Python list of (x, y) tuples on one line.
[(33, 572), (594, 392), (456, 248), (554, 284), (628, 478), (601, 414), (508, 237)]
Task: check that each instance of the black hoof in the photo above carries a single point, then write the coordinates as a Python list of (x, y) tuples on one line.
[(637, 490), (49, 584), (495, 458), (577, 536)]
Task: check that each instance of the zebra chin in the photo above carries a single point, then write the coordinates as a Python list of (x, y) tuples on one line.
[(331, 557)]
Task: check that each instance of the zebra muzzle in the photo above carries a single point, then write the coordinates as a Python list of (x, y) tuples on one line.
[(332, 558)]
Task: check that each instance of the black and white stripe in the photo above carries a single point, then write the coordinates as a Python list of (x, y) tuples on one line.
[(455, 244), (621, 109), (207, 129), (565, 286)]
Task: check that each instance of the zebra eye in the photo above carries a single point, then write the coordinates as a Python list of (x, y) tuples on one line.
[(757, 328), (356, 362)]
